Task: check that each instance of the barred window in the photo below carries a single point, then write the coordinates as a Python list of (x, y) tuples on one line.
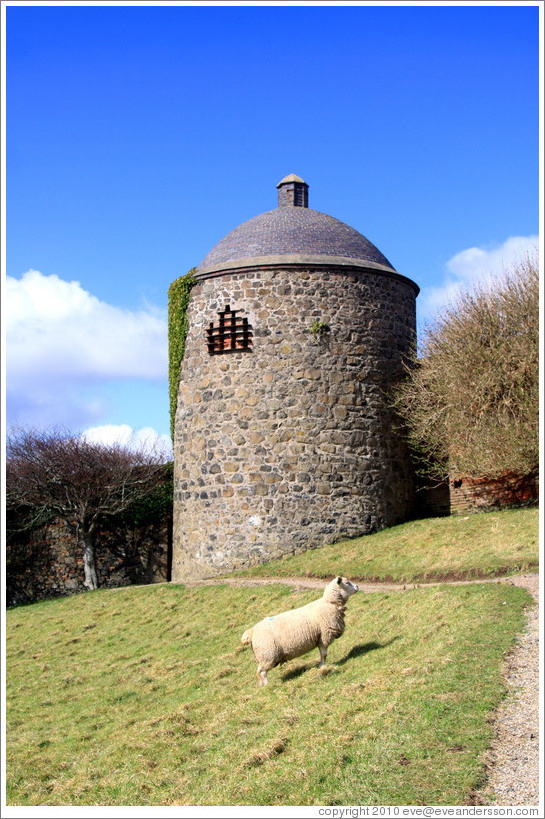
[(231, 333)]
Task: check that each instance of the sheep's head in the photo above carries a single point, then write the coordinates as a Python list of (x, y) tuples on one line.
[(341, 587)]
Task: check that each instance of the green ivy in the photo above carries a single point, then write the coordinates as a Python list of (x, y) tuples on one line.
[(179, 295)]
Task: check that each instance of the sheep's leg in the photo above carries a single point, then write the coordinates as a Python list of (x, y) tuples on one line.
[(323, 654), (262, 676)]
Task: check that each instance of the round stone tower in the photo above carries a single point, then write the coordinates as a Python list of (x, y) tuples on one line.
[(284, 439)]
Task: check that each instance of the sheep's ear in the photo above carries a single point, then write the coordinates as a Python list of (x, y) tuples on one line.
[(339, 580)]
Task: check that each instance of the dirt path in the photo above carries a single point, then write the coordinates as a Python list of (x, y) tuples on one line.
[(513, 762), (319, 583)]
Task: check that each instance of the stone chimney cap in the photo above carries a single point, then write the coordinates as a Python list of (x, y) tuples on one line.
[(292, 192), (291, 178)]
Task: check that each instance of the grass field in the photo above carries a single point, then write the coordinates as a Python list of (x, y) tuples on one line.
[(144, 696), (456, 547)]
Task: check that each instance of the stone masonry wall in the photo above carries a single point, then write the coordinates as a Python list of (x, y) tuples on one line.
[(47, 562), (290, 445)]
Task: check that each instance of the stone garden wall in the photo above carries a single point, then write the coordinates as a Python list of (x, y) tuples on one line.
[(46, 562)]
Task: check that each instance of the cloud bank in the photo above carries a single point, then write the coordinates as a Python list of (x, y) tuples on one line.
[(146, 438), (470, 266), (57, 326), (62, 343)]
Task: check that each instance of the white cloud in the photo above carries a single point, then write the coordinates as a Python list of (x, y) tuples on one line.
[(473, 265), (56, 328), (145, 438), (63, 343)]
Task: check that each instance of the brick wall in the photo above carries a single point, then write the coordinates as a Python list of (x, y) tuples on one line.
[(460, 495), (474, 494)]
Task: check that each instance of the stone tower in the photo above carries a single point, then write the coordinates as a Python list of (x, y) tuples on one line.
[(284, 440)]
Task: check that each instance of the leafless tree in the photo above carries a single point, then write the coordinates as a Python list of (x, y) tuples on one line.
[(61, 473), (470, 402)]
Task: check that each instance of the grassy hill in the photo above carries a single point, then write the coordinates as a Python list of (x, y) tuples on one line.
[(450, 548), (144, 696)]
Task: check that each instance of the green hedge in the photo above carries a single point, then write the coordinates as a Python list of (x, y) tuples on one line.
[(154, 508)]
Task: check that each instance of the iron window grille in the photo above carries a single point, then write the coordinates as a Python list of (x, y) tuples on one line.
[(231, 333)]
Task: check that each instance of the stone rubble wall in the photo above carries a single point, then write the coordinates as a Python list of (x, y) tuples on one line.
[(47, 563), (290, 445)]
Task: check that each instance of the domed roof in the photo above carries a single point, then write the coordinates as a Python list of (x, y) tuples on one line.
[(293, 233)]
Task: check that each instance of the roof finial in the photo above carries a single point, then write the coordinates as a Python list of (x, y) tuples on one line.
[(292, 192)]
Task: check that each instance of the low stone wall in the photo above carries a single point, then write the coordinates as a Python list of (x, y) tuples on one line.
[(47, 563)]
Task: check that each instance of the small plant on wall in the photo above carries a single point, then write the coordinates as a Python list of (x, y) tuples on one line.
[(319, 328)]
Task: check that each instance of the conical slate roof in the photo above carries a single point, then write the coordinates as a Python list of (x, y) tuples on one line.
[(293, 233)]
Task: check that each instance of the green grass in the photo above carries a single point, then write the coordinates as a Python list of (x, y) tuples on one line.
[(476, 546), (144, 696)]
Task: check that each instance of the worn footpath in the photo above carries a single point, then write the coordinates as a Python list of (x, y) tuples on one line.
[(513, 763)]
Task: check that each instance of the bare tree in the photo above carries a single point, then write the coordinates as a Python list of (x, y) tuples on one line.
[(470, 402), (81, 482)]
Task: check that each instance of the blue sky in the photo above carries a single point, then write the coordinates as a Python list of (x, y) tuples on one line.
[(138, 136)]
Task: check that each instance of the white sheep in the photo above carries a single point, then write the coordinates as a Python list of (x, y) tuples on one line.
[(277, 639)]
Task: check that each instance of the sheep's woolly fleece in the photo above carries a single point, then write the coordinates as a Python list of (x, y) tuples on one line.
[(293, 633)]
